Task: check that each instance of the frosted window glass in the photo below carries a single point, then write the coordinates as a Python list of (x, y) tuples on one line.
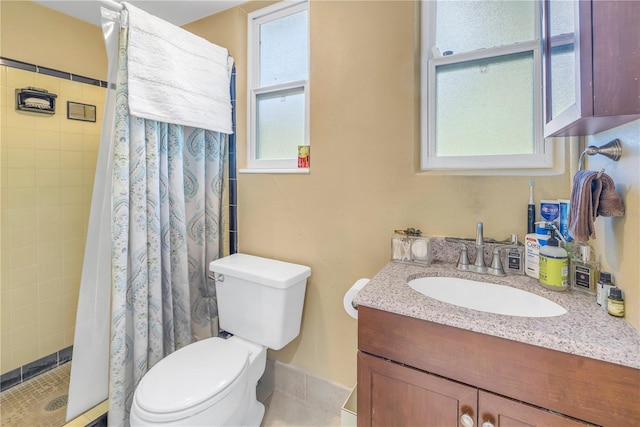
[(463, 26), (563, 82), (283, 50), (280, 124), (485, 107), (561, 17)]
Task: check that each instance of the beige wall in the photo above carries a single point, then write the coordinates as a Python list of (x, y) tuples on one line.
[(47, 170), (59, 41), (363, 182), (617, 242)]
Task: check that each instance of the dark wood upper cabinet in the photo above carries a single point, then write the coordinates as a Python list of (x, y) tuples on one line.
[(591, 59)]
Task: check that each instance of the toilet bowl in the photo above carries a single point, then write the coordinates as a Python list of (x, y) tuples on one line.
[(213, 382)]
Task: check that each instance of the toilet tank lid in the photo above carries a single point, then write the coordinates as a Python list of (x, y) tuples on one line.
[(271, 272)]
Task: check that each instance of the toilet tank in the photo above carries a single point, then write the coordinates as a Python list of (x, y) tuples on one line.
[(260, 299)]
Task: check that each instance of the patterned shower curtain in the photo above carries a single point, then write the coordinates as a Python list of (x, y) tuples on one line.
[(166, 210)]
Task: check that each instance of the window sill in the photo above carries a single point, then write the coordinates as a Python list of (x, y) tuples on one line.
[(299, 171)]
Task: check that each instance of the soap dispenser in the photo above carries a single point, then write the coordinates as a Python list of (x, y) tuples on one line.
[(554, 265)]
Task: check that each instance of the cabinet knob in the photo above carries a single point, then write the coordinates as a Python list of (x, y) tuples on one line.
[(466, 420), (487, 424)]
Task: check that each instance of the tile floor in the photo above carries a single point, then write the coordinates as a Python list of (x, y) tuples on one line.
[(41, 401)]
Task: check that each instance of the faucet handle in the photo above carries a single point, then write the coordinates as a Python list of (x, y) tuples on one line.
[(463, 262), (496, 268)]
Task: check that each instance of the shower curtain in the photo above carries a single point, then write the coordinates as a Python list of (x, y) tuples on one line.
[(166, 224), (166, 227)]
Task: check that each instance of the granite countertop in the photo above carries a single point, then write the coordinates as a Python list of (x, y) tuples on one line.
[(586, 329)]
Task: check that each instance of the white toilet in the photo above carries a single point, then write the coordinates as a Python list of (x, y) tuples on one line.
[(212, 382)]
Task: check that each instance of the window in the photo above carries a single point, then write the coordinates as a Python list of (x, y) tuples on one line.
[(278, 74), (481, 104)]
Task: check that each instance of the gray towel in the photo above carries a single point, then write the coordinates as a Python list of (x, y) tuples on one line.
[(591, 197)]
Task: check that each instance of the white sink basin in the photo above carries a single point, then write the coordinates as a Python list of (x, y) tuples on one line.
[(487, 297)]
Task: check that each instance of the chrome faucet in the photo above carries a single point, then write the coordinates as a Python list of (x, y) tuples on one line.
[(479, 266)]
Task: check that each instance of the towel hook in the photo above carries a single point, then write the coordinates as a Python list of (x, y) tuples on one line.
[(612, 150)]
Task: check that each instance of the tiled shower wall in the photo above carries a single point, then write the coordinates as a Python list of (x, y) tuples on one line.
[(47, 172)]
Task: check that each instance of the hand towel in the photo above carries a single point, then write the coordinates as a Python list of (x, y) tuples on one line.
[(175, 76), (591, 197)]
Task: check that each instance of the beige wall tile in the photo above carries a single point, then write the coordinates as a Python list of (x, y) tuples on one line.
[(22, 237), (23, 354), (47, 215), (47, 140), (21, 119), (49, 196), (71, 282), (49, 234), (21, 157), (19, 78), (21, 198), (48, 159), (72, 141), (22, 257), (93, 129), (72, 195), (48, 252), (25, 319), (24, 316), (21, 177), (4, 99), (49, 271), (67, 125), (48, 177), (72, 159), (49, 289), (49, 83), (22, 277), (51, 343), (72, 177), (51, 123), (20, 138), (72, 266), (70, 89)]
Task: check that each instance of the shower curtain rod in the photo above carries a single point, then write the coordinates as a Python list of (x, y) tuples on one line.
[(112, 4)]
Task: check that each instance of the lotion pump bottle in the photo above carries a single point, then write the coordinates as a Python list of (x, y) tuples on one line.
[(554, 266)]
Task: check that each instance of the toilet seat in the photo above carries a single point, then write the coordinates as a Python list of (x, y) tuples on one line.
[(191, 379)]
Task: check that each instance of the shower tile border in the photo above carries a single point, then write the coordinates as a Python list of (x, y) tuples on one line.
[(35, 368), (7, 62)]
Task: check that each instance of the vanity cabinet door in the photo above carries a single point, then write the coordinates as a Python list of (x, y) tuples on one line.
[(498, 411), (591, 59), (390, 394)]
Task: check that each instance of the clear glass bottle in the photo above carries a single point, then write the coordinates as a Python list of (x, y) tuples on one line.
[(513, 257), (584, 272)]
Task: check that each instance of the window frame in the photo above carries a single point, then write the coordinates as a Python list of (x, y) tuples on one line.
[(543, 156), (254, 21)]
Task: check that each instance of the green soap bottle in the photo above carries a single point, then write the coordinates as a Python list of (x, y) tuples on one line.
[(554, 265)]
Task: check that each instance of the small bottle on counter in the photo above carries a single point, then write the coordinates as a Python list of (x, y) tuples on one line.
[(513, 257), (584, 273), (604, 284), (615, 305)]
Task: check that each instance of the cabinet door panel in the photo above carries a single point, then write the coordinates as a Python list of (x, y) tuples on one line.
[(390, 394), (502, 412)]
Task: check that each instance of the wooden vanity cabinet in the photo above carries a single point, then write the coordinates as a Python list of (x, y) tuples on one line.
[(412, 372), (591, 62)]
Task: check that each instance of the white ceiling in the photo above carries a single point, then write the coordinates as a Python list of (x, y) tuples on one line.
[(178, 12)]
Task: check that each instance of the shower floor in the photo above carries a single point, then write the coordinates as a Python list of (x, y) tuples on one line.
[(39, 401)]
